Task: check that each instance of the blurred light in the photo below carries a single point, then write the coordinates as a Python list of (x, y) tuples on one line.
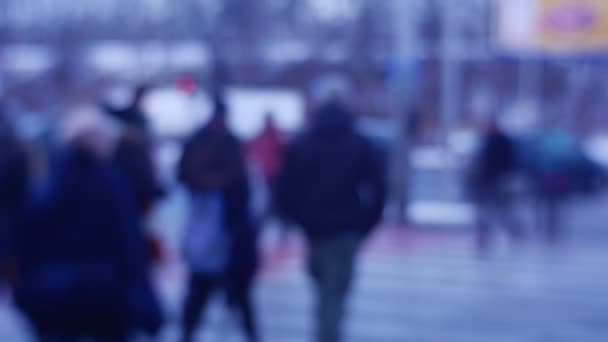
[(186, 84), (570, 17), (153, 57), (432, 158), (287, 51), (148, 58), (463, 142), (335, 53), (516, 22), (249, 107), (26, 58), (173, 113), (563, 26), (166, 158), (335, 9), (14, 326), (188, 55), (596, 148), (441, 213), (114, 57), (522, 118), (158, 8)]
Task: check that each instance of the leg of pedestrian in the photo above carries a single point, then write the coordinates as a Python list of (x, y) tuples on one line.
[(332, 265), (199, 292)]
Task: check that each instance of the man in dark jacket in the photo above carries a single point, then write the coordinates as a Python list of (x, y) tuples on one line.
[(333, 185), (496, 161)]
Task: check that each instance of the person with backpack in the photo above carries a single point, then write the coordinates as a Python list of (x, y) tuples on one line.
[(333, 185), (220, 239), (82, 262)]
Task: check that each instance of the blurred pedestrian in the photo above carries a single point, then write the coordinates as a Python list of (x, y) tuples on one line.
[(83, 270), (333, 185), (134, 153), (220, 240), (493, 170), (14, 182), (265, 153), (555, 170)]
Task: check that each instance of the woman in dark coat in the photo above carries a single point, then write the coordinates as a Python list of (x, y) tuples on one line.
[(83, 268), (213, 163)]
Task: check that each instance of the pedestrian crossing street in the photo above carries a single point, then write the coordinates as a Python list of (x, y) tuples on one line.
[(429, 286)]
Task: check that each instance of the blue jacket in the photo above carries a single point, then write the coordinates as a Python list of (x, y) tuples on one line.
[(82, 253)]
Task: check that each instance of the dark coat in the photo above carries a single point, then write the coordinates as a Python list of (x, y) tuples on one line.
[(496, 160), (133, 155), (135, 161), (83, 264), (213, 161), (333, 181), (14, 182), (13, 175)]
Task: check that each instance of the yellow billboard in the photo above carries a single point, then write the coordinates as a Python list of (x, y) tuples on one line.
[(553, 25)]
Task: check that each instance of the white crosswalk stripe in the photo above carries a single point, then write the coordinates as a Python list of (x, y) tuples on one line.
[(416, 287), (442, 292)]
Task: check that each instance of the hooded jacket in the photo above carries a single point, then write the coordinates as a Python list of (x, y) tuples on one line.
[(333, 180)]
